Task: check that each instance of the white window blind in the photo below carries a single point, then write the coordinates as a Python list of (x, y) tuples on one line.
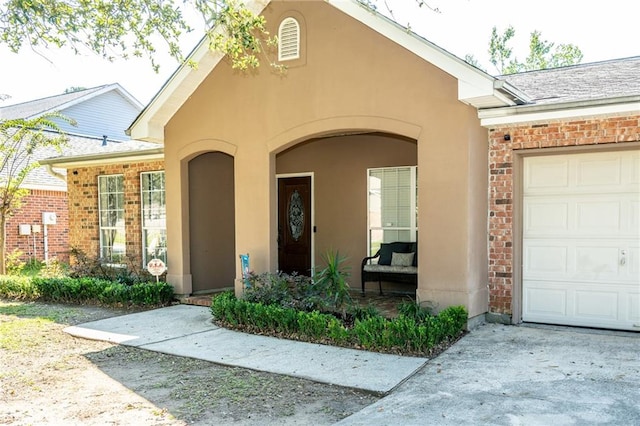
[(392, 201), (111, 207), (154, 216)]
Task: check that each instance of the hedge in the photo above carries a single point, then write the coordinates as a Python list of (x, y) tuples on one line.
[(86, 290), (404, 334)]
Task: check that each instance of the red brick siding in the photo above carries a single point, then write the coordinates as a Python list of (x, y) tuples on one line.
[(33, 205), (84, 229), (529, 136)]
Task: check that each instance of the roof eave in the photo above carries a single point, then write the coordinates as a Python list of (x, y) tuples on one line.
[(105, 158), (558, 111)]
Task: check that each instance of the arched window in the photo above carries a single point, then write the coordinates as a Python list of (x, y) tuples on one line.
[(288, 40)]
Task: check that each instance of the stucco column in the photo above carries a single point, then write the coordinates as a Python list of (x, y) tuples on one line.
[(255, 198), (452, 192), (177, 193)]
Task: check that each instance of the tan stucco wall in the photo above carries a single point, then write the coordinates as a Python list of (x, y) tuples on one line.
[(352, 80)]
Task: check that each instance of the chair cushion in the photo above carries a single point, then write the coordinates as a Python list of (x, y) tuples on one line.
[(391, 269)]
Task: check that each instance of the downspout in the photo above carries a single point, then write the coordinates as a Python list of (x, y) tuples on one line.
[(53, 173)]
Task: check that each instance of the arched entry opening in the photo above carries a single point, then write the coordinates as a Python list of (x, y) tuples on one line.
[(338, 166), (211, 222)]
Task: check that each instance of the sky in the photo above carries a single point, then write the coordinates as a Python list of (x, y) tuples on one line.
[(602, 30)]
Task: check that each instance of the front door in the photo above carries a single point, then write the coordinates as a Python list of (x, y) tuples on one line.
[(294, 225)]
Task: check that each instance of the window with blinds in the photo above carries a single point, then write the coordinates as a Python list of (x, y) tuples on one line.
[(111, 207), (289, 40), (154, 216), (393, 205)]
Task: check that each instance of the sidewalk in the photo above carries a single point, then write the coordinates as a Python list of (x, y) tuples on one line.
[(188, 331)]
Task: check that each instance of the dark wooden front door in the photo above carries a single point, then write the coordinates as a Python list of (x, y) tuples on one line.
[(294, 225)]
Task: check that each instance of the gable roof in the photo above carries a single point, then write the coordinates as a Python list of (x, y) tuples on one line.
[(475, 87), (38, 107), (606, 87)]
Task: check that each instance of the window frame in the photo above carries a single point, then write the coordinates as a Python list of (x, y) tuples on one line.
[(120, 230), (144, 227), (412, 228)]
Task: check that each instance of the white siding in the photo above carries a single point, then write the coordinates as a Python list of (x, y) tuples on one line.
[(106, 114)]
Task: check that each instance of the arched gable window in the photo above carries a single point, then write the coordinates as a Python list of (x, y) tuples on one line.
[(289, 40)]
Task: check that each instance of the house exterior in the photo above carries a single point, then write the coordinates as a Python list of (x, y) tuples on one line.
[(375, 135), (39, 229), (564, 198)]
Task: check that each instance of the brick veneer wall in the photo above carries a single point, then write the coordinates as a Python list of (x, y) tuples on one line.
[(33, 205), (554, 134), (84, 229)]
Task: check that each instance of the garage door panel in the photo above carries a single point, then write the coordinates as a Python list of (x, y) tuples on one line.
[(596, 218), (545, 300), (632, 308), (581, 239), (596, 305), (551, 173), (546, 217), (598, 171), (597, 263)]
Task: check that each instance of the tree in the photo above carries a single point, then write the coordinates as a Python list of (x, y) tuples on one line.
[(133, 27), (20, 141), (542, 54)]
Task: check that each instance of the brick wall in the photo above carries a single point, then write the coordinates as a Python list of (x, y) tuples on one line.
[(612, 130), (33, 205), (84, 229)]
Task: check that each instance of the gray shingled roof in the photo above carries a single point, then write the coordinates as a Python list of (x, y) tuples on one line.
[(586, 82), (77, 146), (36, 107)]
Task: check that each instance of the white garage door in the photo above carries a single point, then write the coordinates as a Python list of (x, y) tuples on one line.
[(581, 240)]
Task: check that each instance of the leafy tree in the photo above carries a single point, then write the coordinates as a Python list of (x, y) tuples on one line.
[(542, 54), (132, 27), (20, 141)]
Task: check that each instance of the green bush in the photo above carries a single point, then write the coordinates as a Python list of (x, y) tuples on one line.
[(16, 287), (416, 334), (86, 290)]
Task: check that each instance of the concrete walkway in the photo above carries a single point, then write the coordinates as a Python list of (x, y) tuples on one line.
[(188, 331), (496, 375)]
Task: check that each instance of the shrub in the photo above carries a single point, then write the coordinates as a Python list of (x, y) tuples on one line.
[(129, 272), (14, 263), (416, 334), (14, 287), (86, 290)]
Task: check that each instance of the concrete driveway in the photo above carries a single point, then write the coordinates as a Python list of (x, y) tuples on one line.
[(508, 375)]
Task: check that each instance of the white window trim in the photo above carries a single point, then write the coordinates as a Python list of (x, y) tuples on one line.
[(100, 227), (284, 25), (142, 224), (413, 226)]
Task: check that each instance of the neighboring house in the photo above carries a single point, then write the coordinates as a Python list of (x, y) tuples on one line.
[(101, 115), (377, 135)]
